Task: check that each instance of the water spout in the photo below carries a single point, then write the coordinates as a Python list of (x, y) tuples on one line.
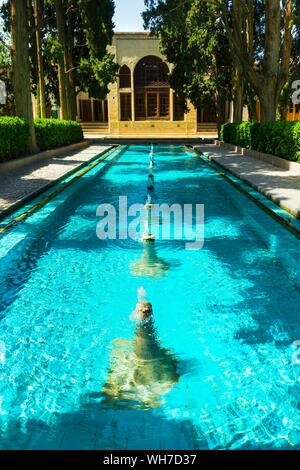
[(142, 294), (143, 308), (151, 156), (141, 370), (148, 236), (149, 204)]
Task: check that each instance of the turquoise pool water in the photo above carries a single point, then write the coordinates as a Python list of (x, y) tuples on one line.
[(214, 368)]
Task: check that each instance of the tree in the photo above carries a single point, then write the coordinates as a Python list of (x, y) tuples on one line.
[(269, 74), (68, 50), (259, 33), (62, 61), (5, 69), (21, 66), (96, 68), (287, 91), (192, 38), (38, 15), (4, 56), (85, 28)]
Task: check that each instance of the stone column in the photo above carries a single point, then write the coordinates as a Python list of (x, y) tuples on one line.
[(171, 105), (92, 109), (132, 96), (191, 119)]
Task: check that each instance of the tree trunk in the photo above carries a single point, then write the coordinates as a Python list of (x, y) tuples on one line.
[(220, 108), (238, 99), (62, 76), (21, 66), (270, 78), (69, 51), (38, 8), (268, 103), (284, 102)]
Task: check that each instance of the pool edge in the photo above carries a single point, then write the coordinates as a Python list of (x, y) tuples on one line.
[(76, 173), (286, 222)]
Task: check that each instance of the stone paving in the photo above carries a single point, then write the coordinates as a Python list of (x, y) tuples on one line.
[(19, 184), (281, 186)]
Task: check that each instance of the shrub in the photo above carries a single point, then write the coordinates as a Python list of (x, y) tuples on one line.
[(242, 134), (280, 138), (14, 133), (296, 140), (51, 133)]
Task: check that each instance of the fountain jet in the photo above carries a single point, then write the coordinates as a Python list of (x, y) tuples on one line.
[(143, 308), (141, 371), (149, 204), (148, 236), (151, 157)]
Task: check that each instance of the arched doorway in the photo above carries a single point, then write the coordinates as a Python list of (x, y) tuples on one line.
[(151, 89)]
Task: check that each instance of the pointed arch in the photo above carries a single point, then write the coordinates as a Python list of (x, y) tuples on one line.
[(152, 89), (151, 71), (125, 77)]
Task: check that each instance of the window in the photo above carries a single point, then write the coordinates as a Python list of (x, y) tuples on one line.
[(164, 101), (152, 89), (151, 72), (125, 77), (140, 108), (125, 99), (152, 110)]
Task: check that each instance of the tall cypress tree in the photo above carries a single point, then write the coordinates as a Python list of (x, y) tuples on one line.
[(21, 66)]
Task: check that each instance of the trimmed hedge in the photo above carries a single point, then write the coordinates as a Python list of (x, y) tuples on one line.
[(14, 133), (52, 133), (279, 138)]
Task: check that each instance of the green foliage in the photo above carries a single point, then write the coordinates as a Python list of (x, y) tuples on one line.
[(279, 138), (5, 67), (95, 75), (97, 24), (193, 39), (52, 52), (95, 67), (14, 133), (89, 29), (51, 133), (286, 94), (243, 134), (5, 61)]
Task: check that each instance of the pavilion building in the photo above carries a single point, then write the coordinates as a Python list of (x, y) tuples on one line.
[(141, 101)]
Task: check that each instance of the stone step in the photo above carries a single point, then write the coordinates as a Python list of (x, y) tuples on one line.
[(95, 131), (94, 125), (211, 126)]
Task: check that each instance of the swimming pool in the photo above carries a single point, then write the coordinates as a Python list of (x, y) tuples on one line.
[(214, 368)]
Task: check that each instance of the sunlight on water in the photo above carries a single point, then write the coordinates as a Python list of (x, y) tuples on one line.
[(207, 365)]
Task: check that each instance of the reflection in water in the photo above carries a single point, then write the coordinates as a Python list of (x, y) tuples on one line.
[(150, 182), (150, 265), (141, 370)]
